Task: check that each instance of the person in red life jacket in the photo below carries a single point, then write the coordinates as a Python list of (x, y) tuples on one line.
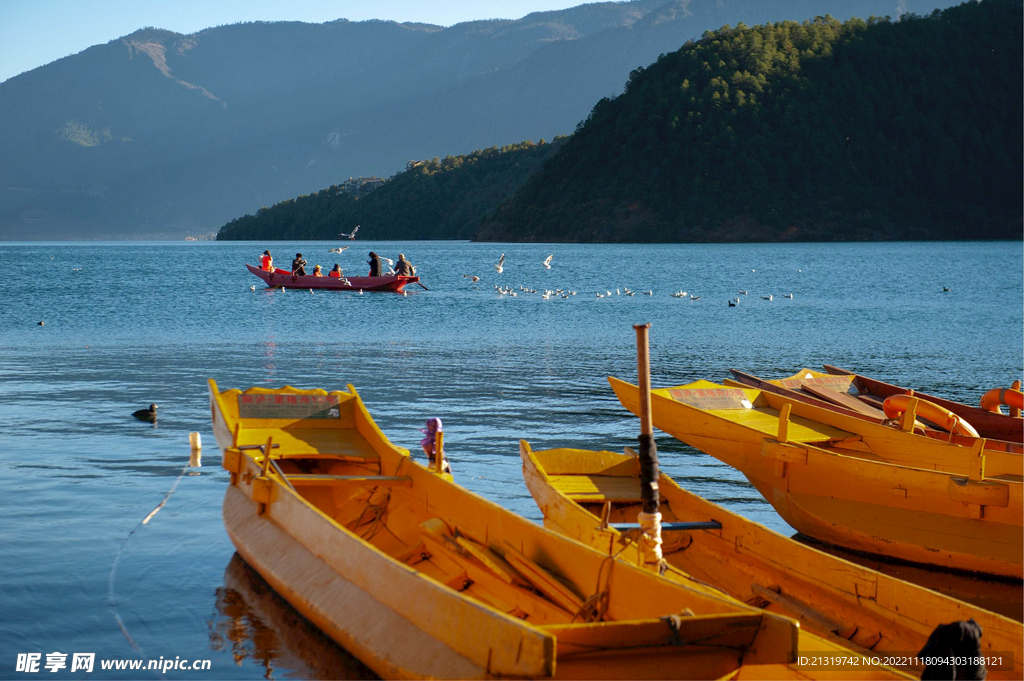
[(266, 262), (336, 272), (299, 266)]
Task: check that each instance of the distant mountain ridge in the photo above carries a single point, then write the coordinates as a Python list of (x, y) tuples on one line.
[(159, 134)]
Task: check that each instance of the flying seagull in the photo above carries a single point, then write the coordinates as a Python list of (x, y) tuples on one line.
[(340, 249), (500, 267), (352, 234), (473, 278), (547, 262)]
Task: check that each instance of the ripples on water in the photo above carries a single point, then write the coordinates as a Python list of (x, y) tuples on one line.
[(144, 323)]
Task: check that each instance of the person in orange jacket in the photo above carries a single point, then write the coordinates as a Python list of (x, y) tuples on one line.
[(266, 262)]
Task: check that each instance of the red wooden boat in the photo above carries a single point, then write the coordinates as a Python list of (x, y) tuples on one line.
[(285, 279), (988, 424)]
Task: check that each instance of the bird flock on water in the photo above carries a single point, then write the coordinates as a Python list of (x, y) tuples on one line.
[(547, 294)]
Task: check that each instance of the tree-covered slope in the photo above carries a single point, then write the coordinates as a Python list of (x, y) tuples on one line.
[(438, 199), (816, 130), (160, 135)]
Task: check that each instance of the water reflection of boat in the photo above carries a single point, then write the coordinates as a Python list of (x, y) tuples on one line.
[(1000, 596), (255, 623)]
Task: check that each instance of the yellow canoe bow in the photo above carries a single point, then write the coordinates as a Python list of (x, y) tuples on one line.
[(843, 602), (420, 578), (856, 484)]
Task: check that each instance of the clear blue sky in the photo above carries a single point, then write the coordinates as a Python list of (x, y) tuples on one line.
[(37, 32)]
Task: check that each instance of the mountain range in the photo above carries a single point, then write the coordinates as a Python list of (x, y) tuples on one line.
[(159, 135)]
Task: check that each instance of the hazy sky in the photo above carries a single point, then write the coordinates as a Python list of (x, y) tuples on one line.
[(37, 32)]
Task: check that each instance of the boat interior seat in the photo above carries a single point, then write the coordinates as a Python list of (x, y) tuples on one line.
[(310, 442), (597, 488)]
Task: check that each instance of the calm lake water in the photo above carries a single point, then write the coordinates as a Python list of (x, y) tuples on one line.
[(127, 324)]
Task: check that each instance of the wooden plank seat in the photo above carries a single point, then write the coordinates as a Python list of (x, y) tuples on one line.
[(308, 442), (597, 488), (298, 479)]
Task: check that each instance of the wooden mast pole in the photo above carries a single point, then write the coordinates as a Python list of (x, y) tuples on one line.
[(648, 450)]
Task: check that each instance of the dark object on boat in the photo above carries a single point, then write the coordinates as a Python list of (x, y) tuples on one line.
[(148, 415), (960, 640)]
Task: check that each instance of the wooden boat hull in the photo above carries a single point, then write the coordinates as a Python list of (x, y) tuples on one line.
[(420, 578), (988, 424), (856, 499), (832, 597), (282, 279)]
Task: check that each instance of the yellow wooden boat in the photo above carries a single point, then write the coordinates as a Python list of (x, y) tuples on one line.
[(419, 578), (583, 494), (856, 484), (848, 394)]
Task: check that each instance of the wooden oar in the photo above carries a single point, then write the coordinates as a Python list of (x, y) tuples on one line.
[(422, 286)]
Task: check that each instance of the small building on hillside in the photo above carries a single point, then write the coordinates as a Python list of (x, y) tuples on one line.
[(360, 186)]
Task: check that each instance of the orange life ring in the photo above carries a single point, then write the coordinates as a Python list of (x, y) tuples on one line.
[(895, 405), (991, 400)]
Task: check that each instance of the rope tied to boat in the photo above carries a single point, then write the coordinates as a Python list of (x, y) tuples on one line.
[(650, 539), (595, 606), (378, 510)]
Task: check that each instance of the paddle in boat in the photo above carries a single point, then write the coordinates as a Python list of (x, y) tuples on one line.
[(420, 578), (285, 279), (843, 393), (586, 494), (856, 484), (987, 418)]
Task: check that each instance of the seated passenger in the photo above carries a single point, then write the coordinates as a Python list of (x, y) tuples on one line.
[(403, 267), (266, 262), (317, 272), (299, 265), (336, 272)]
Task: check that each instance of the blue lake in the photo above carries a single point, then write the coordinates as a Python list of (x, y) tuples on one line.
[(127, 324)]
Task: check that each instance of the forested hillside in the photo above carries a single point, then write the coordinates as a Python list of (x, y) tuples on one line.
[(438, 199), (159, 134), (819, 130)]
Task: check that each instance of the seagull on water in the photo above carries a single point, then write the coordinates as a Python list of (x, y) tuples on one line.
[(787, 295), (693, 297), (767, 297), (547, 262), (946, 289), (742, 292), (340, 249), (252, 288), (351, 235), (733, 301), (500, 267)]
